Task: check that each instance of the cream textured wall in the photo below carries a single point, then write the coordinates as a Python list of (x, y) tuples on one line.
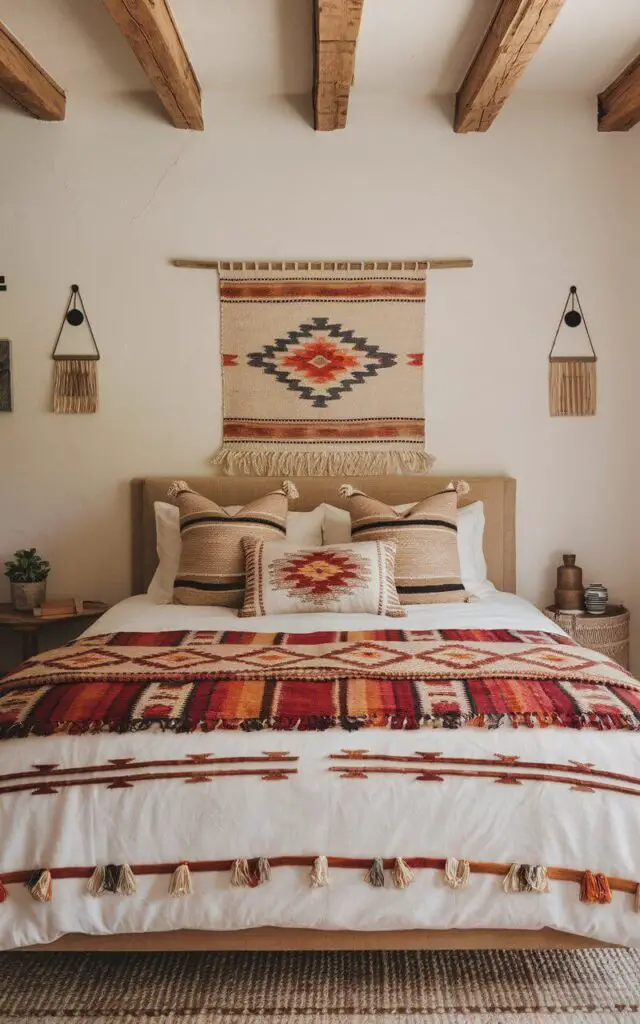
[(540, 201)]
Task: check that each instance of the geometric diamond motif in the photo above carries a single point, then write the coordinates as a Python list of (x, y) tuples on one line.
[(321, 361), (273, 657), (176, 658), (360, 654), (459, 656), (320, 576), (88, 659), (558, 658)]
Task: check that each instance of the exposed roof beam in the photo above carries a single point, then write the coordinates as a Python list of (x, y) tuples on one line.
[(337, 23), (149, 28), (22, 78), (619, 104), (517, 30)]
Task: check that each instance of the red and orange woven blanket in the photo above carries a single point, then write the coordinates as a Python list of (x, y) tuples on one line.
[(184, 681)]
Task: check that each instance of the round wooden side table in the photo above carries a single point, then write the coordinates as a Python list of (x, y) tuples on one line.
[(29, 625), (608, 633)]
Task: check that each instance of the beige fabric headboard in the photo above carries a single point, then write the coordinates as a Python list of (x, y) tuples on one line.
[(497, 492)]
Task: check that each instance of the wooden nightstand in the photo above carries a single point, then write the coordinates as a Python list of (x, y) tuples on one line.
[(29, 625), (608, 633)]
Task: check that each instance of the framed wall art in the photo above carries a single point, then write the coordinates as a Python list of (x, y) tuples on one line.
[(6, 404)]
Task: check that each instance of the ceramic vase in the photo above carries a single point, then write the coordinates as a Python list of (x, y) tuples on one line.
[(595, 598)]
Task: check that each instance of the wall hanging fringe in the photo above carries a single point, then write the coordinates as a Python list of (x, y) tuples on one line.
[(572, 379), (437, 263), (75, 378)]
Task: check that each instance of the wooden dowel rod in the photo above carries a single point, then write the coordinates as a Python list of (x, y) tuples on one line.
[(423, 264)]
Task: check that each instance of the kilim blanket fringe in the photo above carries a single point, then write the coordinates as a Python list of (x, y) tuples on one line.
[(379, 873), (186, 681), (238, 459)]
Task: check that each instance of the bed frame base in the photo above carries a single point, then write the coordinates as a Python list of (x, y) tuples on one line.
[(270, 939)]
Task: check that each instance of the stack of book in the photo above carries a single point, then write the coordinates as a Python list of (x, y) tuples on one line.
[(61, 608)]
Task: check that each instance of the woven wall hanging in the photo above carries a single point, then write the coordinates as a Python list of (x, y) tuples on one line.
[(75, 377), (323, 371), (572, 379)]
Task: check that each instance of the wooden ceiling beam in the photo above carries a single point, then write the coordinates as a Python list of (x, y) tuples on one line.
[(515, 34), (337, 23), (150, 29), (619, 104), (22, 78)]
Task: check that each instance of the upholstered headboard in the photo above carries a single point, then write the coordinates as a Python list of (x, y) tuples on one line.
[(497, 492)]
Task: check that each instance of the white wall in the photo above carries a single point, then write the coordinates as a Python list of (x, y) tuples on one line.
[(105, 199)]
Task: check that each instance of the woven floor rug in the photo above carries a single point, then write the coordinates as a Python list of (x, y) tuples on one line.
[(520, 987)]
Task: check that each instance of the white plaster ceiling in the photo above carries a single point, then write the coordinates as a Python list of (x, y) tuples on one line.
[(417, 47)]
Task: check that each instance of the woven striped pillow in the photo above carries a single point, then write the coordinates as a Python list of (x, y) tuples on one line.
[(211, 569), (427, 562)]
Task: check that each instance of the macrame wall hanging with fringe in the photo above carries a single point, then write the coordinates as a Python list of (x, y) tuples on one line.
[(572, 379), (75, 377), (323, 370)]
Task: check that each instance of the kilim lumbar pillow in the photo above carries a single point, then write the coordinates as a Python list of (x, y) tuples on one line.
[(427, 562), (211, 569), (284, 578)]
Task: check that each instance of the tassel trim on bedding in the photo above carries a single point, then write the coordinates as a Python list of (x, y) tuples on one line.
[(251, 459), (375, 874), (401, 875), (181, 883), (319, 874), (40, 885), (113, 878), (526, 878), (249, 874), (595, 888), (457, 873), (121, 879)]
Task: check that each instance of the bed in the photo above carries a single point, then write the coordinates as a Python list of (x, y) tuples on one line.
[(418, 802)]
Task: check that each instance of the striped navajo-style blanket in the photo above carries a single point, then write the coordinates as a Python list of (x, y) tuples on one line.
[(185, 681)]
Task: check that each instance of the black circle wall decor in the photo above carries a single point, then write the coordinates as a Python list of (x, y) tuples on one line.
[(75, 316), (572, 378), (75, 379), (572, 317)]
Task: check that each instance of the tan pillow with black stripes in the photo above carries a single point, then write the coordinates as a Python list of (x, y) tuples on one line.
[(426, 538), (211, 569)]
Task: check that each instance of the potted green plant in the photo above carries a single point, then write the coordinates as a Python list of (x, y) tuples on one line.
[(28, 575)]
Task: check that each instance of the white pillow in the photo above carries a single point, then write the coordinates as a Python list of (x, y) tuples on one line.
[(168, 547), (304, 528), (336, 525), (336, 529), (473, 567)]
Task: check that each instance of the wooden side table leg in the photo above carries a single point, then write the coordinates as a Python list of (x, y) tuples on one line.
[(29, 643)]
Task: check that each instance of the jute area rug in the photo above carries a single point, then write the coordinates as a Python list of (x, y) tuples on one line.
[(521, 987)]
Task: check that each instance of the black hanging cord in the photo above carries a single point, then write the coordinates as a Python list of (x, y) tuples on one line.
[(74, 317), (572, 298)]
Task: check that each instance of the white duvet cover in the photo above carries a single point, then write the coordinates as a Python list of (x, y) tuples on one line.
[(316, 811)]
